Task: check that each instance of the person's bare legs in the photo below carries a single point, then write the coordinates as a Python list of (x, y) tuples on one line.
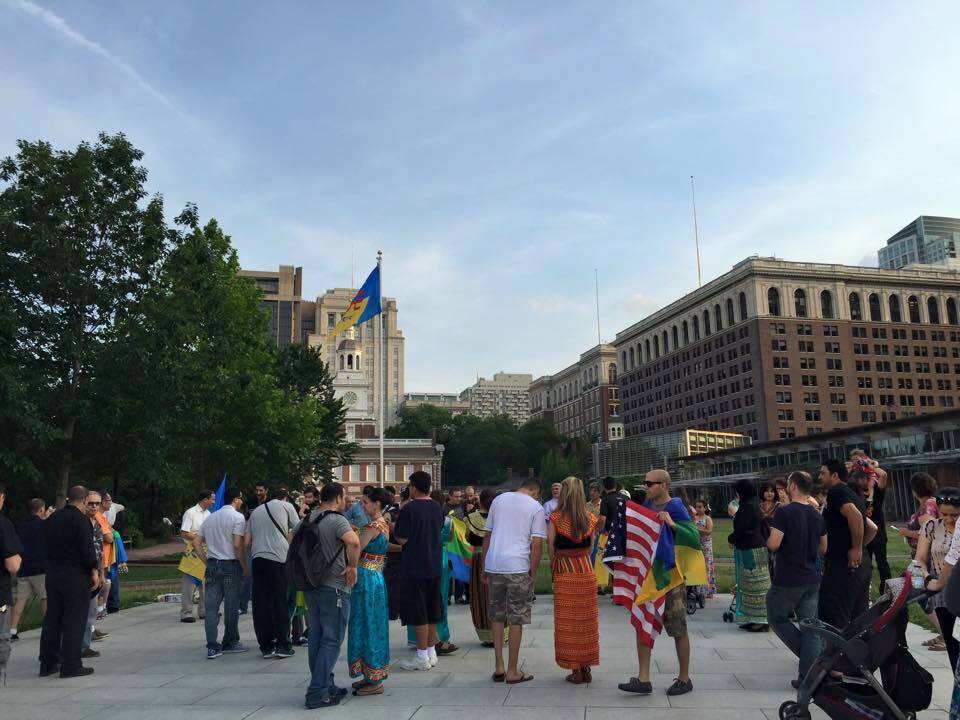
[(433, 638), (18, 607), (683, 657), (422, 633), (516, 635), (643, 660), (497, 630)]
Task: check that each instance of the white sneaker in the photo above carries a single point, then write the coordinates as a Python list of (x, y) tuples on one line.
[(415, 664), (433, 661)]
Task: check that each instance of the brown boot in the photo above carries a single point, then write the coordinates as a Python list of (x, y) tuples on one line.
[(586, 674), (576, 677)]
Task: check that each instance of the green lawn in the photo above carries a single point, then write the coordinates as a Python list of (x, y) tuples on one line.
[(142, 573)]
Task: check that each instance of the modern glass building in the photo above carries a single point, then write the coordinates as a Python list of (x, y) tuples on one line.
[(927, 240), (635, 456)]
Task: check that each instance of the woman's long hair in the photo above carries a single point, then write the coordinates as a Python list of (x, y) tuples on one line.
[(573, 504)]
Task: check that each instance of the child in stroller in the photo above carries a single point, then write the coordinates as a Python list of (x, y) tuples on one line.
[(841, 681)]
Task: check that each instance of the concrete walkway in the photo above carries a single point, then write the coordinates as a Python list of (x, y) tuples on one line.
[(154, 668)]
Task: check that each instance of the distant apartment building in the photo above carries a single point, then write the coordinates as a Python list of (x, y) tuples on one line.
[(292, 319), (447, 401), (505, 394), (637, 455), (582, 400), (775, 349), (927, 240)]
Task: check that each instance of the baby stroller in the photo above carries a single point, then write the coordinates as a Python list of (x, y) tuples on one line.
[(696, 598), (875, 640)]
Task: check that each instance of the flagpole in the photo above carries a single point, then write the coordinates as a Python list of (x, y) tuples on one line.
[(382, 365)]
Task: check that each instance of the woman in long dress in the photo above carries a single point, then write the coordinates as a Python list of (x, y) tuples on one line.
[(368, 644), (479, 596), (704, 525), (751, 561), (576, 629)]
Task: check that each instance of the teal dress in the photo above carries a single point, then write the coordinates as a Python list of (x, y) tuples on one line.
[(368, 644), (443, 629)]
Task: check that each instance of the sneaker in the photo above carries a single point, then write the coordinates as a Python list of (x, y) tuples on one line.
[(48, 670), (235, 648), (635, 686), (88, 653), (679, 687), (188, 619), (79, 672), (14, 636), (213, 653), (338, 691), (99, 635), (414, 664), (268, 654), (327, 702), (284, 652)]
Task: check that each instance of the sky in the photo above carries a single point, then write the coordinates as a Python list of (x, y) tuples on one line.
[(500, 152)]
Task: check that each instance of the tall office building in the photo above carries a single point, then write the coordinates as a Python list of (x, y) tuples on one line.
[(292, 319), (582, 400), (447, 401), (505, 394), (776, 349), (927, 240)]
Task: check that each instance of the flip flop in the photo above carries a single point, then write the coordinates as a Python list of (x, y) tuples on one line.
[(522, 679), (499, 677)]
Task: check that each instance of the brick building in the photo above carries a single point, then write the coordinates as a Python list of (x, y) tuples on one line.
[(776, 349)]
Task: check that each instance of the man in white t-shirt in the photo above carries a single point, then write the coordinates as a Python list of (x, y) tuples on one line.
[(551, 505), (189, 526), (516, 529)]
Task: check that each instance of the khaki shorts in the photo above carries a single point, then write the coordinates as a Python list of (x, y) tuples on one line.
[(511, 596), (675, 612), (32, 585)]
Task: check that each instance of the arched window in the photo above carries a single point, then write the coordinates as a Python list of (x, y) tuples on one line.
[(676, 338), (826, 305), (631, 365), (358, 362), (646, 344), (613, 372), (576, 387), (350, 362), (800, 302), (895, 315), (876, 311), (656, 346), (743, 307), (706, 323), (342, 362), (696, 328), (731, 319), (717, 318), (933, 311), (666, 346), (623, 357), (951, 311), (773, 302), (913, 308), (856, 312), (686, 333)]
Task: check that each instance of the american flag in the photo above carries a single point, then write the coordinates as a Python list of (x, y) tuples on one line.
[(631, 544)]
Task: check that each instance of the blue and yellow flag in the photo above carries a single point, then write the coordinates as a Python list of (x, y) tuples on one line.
[(678, 558), (363, 307)]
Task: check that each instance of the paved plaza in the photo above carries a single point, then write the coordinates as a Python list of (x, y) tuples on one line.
[(154, 668)]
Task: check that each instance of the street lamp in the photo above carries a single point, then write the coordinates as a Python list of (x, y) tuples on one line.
[(439, 473)]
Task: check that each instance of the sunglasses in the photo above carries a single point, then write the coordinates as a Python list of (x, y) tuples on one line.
[(92, 504), (948, 500)]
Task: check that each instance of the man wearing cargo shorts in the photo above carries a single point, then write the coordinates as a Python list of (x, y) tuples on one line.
[(669, 510), (516, 529)]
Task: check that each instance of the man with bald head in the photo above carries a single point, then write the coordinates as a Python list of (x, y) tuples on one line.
[(670, 510)]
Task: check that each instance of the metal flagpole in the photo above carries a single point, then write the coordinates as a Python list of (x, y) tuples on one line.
[(696, 230), (596, 287), (383, 366)]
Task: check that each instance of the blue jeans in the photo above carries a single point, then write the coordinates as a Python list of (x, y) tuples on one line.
[(222, 580), (328, 610), (802, 599)]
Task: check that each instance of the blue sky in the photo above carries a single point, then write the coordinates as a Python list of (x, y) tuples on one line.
[(499, 152)]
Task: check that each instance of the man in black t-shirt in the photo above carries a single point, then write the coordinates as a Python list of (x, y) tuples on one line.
[(797, 536), (9, 565), (608, 504), (844, 589), (418, 531)]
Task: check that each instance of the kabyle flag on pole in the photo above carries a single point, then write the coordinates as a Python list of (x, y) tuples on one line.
[(363, 307)]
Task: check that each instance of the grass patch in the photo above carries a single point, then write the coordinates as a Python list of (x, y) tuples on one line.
[(143, 573)]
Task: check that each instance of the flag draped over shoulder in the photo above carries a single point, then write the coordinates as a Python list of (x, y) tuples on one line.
[(459, 551), (364, 306), (649, 558)]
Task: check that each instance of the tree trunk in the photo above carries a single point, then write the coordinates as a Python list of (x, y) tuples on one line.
[(66, 460)]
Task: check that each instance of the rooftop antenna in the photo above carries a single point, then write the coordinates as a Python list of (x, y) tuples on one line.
[(596, 287), (696, 230)]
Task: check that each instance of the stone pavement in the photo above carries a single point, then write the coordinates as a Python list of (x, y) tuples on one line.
[(154, 668)]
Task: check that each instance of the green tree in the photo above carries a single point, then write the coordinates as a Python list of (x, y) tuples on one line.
[(422, 422), (81, 246)]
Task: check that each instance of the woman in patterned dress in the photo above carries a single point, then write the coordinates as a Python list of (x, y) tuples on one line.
[(704, 525)]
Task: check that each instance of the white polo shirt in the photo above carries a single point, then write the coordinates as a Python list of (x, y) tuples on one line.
[(219, 530), (514, 519), (193, 519)]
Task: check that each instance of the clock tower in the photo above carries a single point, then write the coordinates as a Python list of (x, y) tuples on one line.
[(351, 385)]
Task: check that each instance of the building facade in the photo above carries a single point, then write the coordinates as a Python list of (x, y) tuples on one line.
[(505, 394), (927, 240), (447, 401), (582, 400), (292, 319), (776, 349), (637, 455)]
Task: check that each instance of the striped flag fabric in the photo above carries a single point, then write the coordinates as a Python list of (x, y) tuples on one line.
[(631, 550)]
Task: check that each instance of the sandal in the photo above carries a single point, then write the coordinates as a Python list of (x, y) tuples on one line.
[(586, 674), (499, 677), (369, 689), (359, 684), (576, 677), (445, 648), (522, 679), (937, 646), (933, 641)]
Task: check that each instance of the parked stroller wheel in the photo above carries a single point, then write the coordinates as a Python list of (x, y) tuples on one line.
[(791, 710)]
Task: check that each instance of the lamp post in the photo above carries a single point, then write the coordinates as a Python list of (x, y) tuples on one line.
[(440, 450)]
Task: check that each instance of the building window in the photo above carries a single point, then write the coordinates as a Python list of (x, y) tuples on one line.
[(686, 333), (826, 305), (800, 302), (773, 302), (646, 345), (743, 306), (717, 318), (876, 314), (666, 345), (951, 311), (696, 328), (856, 312), (656, 346), (895, 309), (913, 308), (731, 320), (933, 311), (706, 323), (676, 338)]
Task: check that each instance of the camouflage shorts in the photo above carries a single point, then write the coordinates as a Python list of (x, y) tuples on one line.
[(510, 598), (675, 612)]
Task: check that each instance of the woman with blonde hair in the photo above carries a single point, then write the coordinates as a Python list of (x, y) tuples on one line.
[(576, 632)]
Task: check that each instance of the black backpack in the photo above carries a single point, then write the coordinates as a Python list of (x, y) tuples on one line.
[(306, 566)]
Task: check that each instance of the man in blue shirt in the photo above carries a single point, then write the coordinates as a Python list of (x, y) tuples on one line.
[(31, 579)]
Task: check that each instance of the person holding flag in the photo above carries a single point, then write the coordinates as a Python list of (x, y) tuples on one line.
[(190, 565)]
